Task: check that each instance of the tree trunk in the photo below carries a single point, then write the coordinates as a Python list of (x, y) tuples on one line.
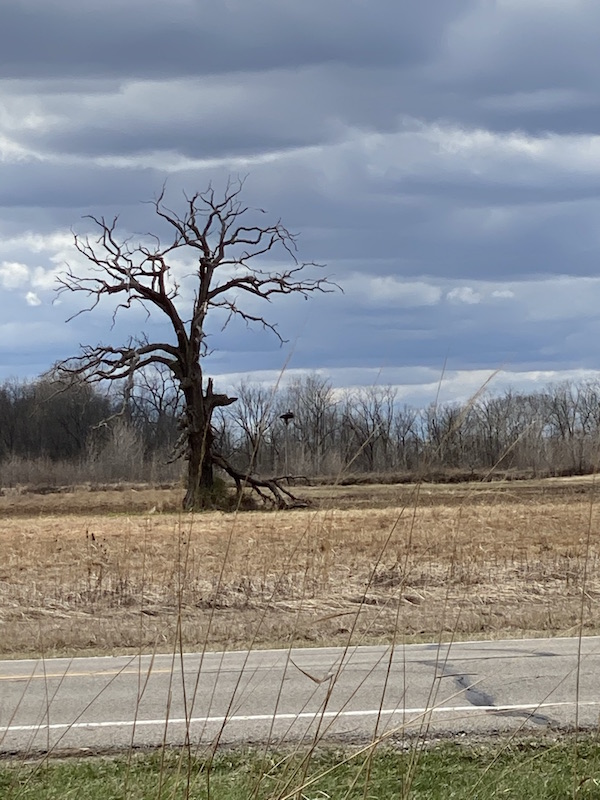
[(200, 491)]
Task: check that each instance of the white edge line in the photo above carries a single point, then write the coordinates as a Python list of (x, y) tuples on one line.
[(310, 715), (309, 650)]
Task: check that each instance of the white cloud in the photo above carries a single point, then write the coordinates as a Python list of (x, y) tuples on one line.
[(32, 299), (13, 275), (390, 291), (45, 279), (420, 385), (59, 240), (16, 275), (464, 294), (436, 150), (12, 152), (503, 294)]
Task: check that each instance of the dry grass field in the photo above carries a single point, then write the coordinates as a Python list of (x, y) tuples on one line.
[(120, 570)]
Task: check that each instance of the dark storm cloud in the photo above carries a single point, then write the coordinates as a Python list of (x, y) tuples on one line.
[(525, 46), (83, 187), (182, 37)]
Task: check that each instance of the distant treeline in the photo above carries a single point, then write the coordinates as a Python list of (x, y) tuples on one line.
[(53, 433)]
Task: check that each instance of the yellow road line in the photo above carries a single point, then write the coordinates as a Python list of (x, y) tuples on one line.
[(46, 676)]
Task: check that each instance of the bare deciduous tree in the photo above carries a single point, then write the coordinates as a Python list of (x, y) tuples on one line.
[(230, 248), (253, 416), (311, 400)]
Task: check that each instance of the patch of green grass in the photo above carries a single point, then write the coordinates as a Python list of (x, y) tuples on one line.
[(530, 770)]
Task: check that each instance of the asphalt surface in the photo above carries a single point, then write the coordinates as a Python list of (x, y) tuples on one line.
[(276, 696)]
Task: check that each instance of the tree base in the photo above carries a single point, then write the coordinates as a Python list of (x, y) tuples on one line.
[(207, 498)]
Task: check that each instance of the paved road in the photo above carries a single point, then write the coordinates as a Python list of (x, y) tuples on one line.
[(272, 695)]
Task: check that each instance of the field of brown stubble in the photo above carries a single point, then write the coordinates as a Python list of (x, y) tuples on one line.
[(110, 571)]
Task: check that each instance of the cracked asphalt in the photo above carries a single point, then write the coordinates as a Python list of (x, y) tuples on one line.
[(278, 696)]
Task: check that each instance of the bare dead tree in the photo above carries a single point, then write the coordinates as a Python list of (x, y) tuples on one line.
[(229, 250), (253, 416)]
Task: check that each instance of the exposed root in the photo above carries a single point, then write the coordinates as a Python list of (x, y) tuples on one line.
[(270, 490)]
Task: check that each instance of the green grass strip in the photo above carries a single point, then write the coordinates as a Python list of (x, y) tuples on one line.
[(528, 771)]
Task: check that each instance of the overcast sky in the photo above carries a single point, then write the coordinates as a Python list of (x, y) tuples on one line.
[(441, 157)]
